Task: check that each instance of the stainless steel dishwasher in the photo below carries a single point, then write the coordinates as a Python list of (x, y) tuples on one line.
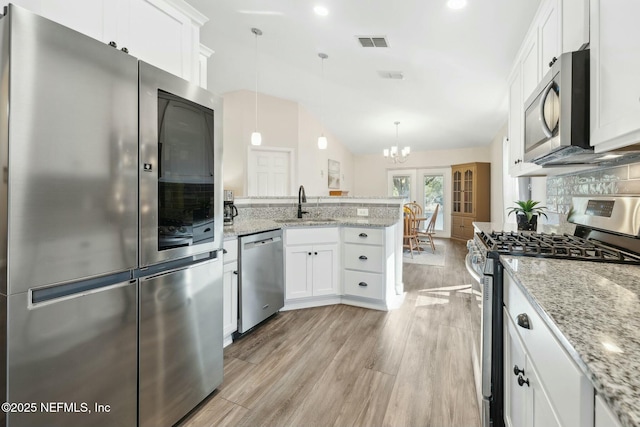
[(261, 281)]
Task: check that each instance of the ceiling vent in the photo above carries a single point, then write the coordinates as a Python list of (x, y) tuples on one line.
[(373, 41), (393, 75)]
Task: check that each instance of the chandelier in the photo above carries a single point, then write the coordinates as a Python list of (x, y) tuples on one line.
[(392, 153)]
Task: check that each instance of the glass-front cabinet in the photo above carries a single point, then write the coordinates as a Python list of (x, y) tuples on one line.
[(471, 198)]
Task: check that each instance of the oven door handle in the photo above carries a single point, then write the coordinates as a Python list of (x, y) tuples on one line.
[(487, 333), (472, 272)]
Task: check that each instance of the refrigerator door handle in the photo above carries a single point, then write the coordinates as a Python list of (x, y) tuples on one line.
[(83, 287)]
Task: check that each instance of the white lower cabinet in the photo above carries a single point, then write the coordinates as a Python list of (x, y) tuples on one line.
[(543, 387), (230, 291), (367, 275), (604, 416), (311, 263), (311, 270), (526, 403)]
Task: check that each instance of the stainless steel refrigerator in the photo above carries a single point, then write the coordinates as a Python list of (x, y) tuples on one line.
[(110, 224)]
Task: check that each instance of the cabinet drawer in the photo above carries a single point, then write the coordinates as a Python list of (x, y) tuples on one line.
[(363, 257), (568, 388), (311, 236), (367, 236), (231, 246), (361, 284)]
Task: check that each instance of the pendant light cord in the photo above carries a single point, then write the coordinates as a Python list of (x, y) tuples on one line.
[(256, 94), (322, 97)]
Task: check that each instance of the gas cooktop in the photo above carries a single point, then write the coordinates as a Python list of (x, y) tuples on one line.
[(563, 246)]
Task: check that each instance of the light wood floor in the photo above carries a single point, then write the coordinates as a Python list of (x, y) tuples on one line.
[(347, 366)]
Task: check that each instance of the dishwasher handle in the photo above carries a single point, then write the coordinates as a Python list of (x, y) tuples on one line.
[(260, 243)]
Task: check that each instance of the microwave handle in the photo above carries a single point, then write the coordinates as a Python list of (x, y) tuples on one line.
[(545, 128)]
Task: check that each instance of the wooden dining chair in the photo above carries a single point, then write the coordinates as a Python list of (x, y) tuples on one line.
[(410, 236), (427, 234)]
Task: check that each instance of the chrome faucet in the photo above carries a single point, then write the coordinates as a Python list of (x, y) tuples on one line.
[(302, 198)]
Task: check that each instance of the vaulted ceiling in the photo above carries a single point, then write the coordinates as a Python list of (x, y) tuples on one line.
[(455, 64)]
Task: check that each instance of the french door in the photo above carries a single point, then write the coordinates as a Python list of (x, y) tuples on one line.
[(428, 188)]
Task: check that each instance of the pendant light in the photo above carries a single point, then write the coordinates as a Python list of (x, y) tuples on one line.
[(256, 138), (392, 153), (322, 140)]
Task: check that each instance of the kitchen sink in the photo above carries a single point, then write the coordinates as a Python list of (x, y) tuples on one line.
[(299, 220)]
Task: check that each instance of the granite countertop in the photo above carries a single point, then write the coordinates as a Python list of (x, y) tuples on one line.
[(244, 227), (593, 308)]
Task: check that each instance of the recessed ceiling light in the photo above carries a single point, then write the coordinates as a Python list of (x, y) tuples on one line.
[(321, 10), (456, 4)]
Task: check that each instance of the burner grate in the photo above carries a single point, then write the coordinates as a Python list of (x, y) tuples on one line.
[(563, 246)]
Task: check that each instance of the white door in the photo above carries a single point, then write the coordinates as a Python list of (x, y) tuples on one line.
[(269, 172), (434, 187)]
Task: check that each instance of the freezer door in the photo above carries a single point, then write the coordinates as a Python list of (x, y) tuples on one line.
[(73, 139), (180, 171), (180, 341), (77, 346)]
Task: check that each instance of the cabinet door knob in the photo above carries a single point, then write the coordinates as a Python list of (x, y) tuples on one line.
[(309, 253), (522, 381), (363, 284), (224, 251), (523, 321), (553, 61), (315, 253), (517, 371), (363, 235), (363, 258), (235, 272)]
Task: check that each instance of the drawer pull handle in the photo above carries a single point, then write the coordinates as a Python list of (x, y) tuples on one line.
[(522, 381), (363, 235), (523, 321), (517, 371), (363, 258), (363, 284)]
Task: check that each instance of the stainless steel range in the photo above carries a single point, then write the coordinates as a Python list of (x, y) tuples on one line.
[(607, 230)]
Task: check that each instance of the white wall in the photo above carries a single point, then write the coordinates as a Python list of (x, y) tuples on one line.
[(370, 170), (313, 163), (282, 123), (497, 178)]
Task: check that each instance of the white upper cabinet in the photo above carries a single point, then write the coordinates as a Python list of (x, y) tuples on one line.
[(164, 33), (530, 66), (549, 36), (559, 26), (614, 70)]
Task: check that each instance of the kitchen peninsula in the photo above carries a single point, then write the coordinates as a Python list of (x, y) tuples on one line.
[(332, 255)]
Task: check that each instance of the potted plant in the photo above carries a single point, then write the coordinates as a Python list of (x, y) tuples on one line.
[(527, 212)]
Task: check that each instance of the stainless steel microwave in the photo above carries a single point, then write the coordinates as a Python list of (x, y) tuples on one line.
[(556, 117)]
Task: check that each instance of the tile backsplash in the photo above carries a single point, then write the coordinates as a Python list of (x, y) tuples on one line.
[(617, 180)]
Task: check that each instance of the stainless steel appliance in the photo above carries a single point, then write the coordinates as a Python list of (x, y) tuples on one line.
[(556, 123), (72, 258), (607, 231), (261, 281), (180, 291), (230, 210)]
